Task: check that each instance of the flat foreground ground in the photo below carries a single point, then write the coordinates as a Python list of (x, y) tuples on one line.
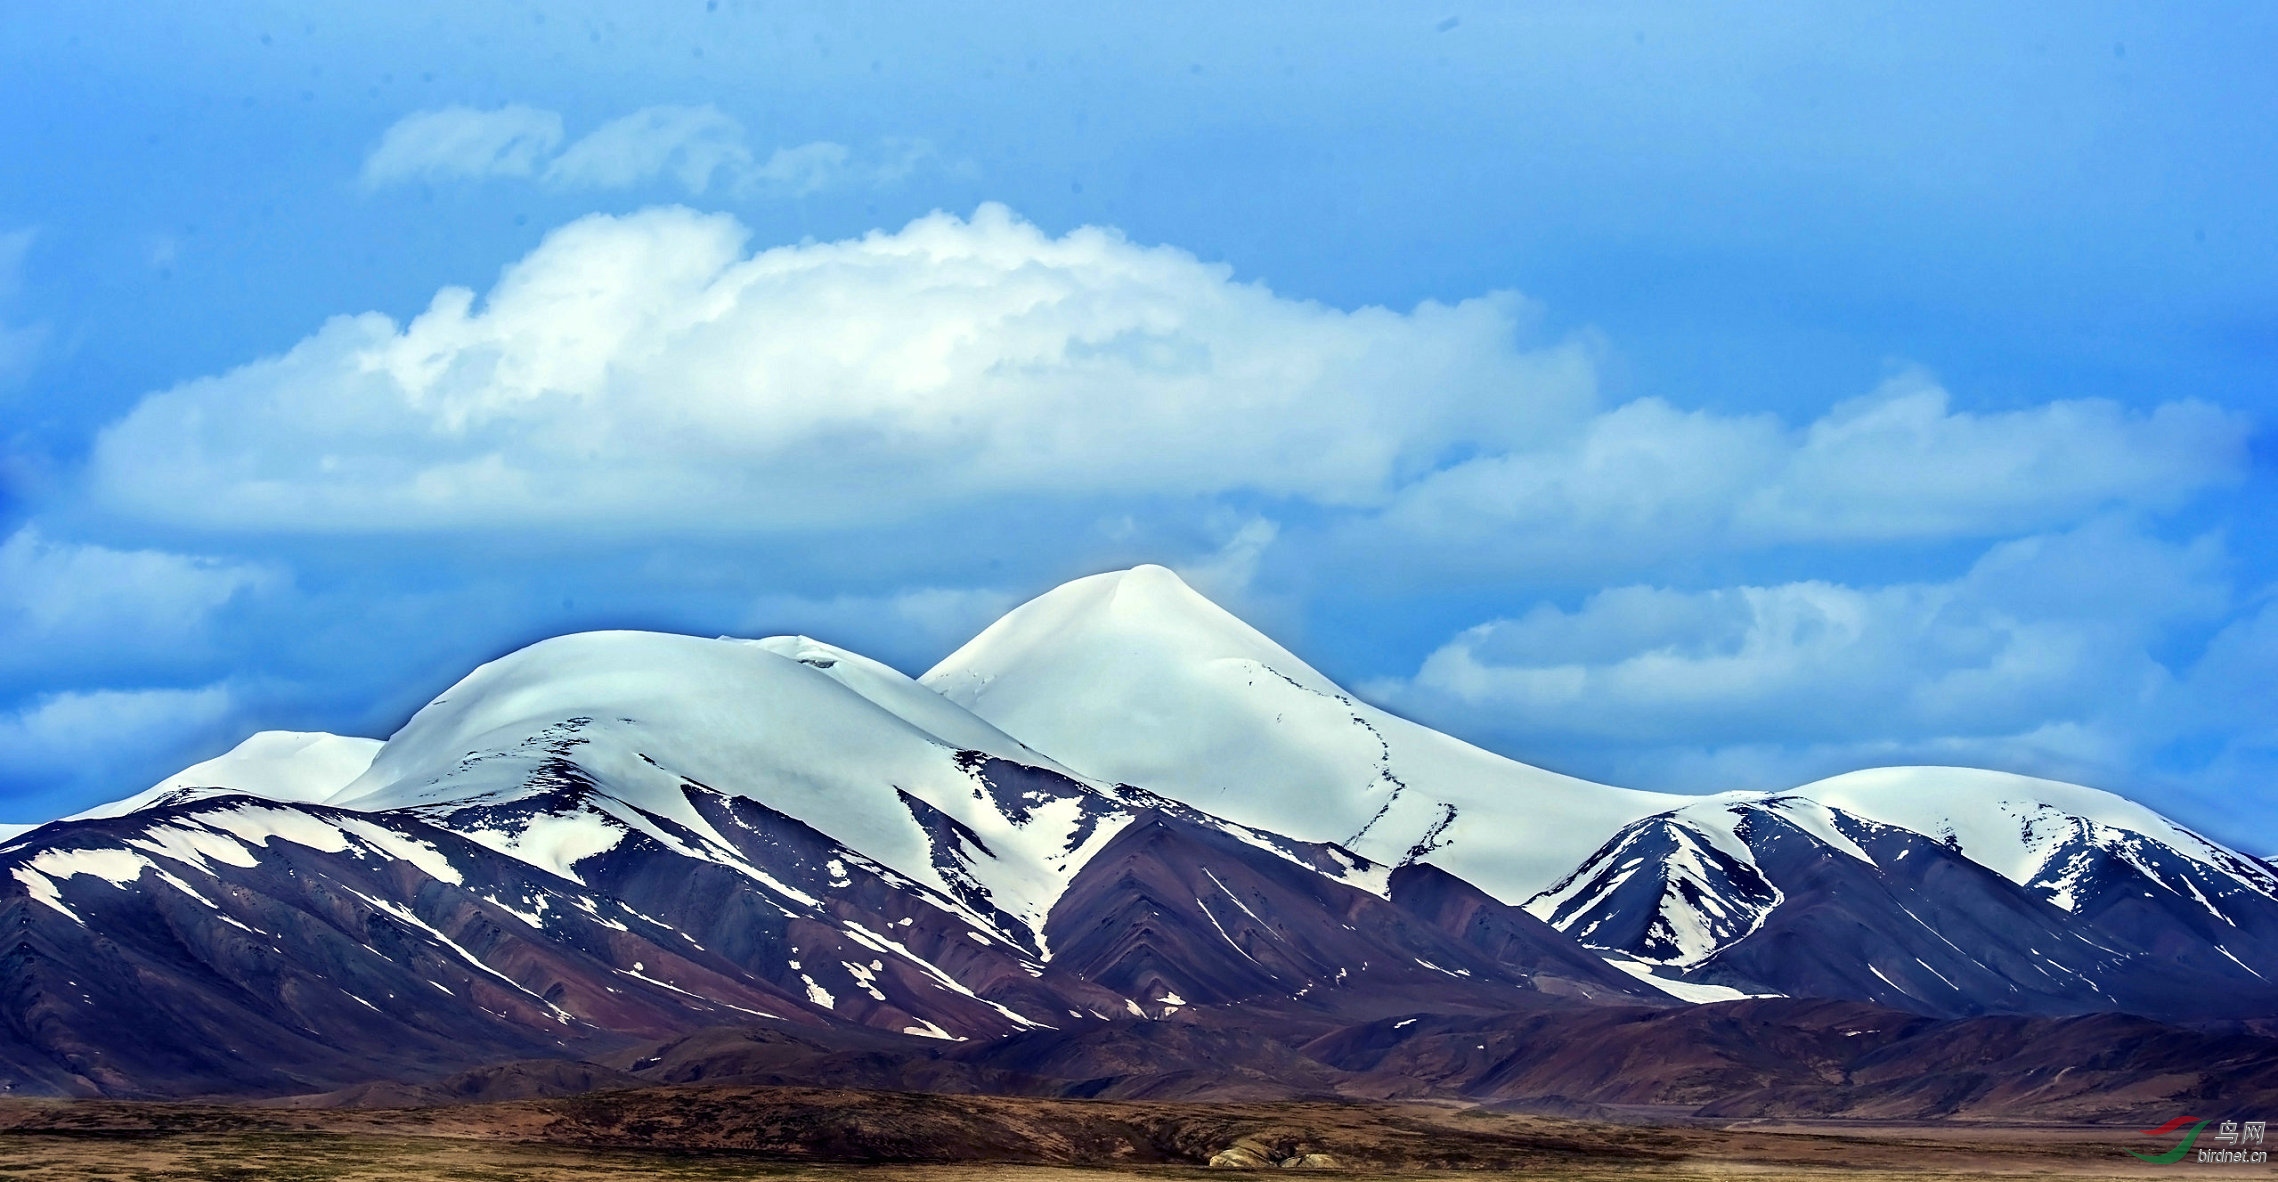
[(719, 1133), (317, 1157)]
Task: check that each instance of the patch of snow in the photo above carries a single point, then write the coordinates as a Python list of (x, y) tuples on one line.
[(120, 868), (636, 974), (925, 1029), (865, 977), (256, 824), (1688, 991), (43, 889), (192, 843)]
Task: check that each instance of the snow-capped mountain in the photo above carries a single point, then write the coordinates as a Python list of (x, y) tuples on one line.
[(1118, 803), (619, 835), (1133, 677), (1941, 890), (305, 767), (1865, 886)]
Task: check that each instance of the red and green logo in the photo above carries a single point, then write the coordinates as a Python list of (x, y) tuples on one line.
[(2176, 1154)]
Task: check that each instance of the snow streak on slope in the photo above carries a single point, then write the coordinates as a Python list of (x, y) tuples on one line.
[(1133, 677), (302, 767)]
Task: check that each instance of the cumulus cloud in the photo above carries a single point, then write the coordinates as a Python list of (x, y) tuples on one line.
[(1647, 479), (463, 143), (72, 603), (2045, 650), (645, 370)]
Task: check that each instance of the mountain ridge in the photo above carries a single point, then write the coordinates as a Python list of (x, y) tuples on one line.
[(611, 837)]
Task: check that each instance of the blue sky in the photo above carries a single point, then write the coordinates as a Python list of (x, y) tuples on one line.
[(1689, 398)]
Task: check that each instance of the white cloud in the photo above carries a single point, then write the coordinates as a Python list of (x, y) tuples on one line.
[(705, 150), (2043, 651), (797, 172), (643, 369), (463, 143), (689, 143), (89, 739), (63, 602), (1226, 574), (701, 149), (1646, 479)]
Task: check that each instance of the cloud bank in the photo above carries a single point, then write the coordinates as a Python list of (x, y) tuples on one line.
[(645, 370), (2046, 654), (1647, 479)]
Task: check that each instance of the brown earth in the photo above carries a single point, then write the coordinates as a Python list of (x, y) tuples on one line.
[(701, 1132)]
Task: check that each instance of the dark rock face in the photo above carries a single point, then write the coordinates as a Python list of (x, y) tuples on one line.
[(1171, 913), (558, 938), (1528, 949), (239, 945), (1902, 920)]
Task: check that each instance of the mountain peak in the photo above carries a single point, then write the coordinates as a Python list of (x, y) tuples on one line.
[(1146, 613), (296, 766), (1134, 677)]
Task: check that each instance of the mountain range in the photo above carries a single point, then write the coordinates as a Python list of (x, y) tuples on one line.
[(1117, 813)]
